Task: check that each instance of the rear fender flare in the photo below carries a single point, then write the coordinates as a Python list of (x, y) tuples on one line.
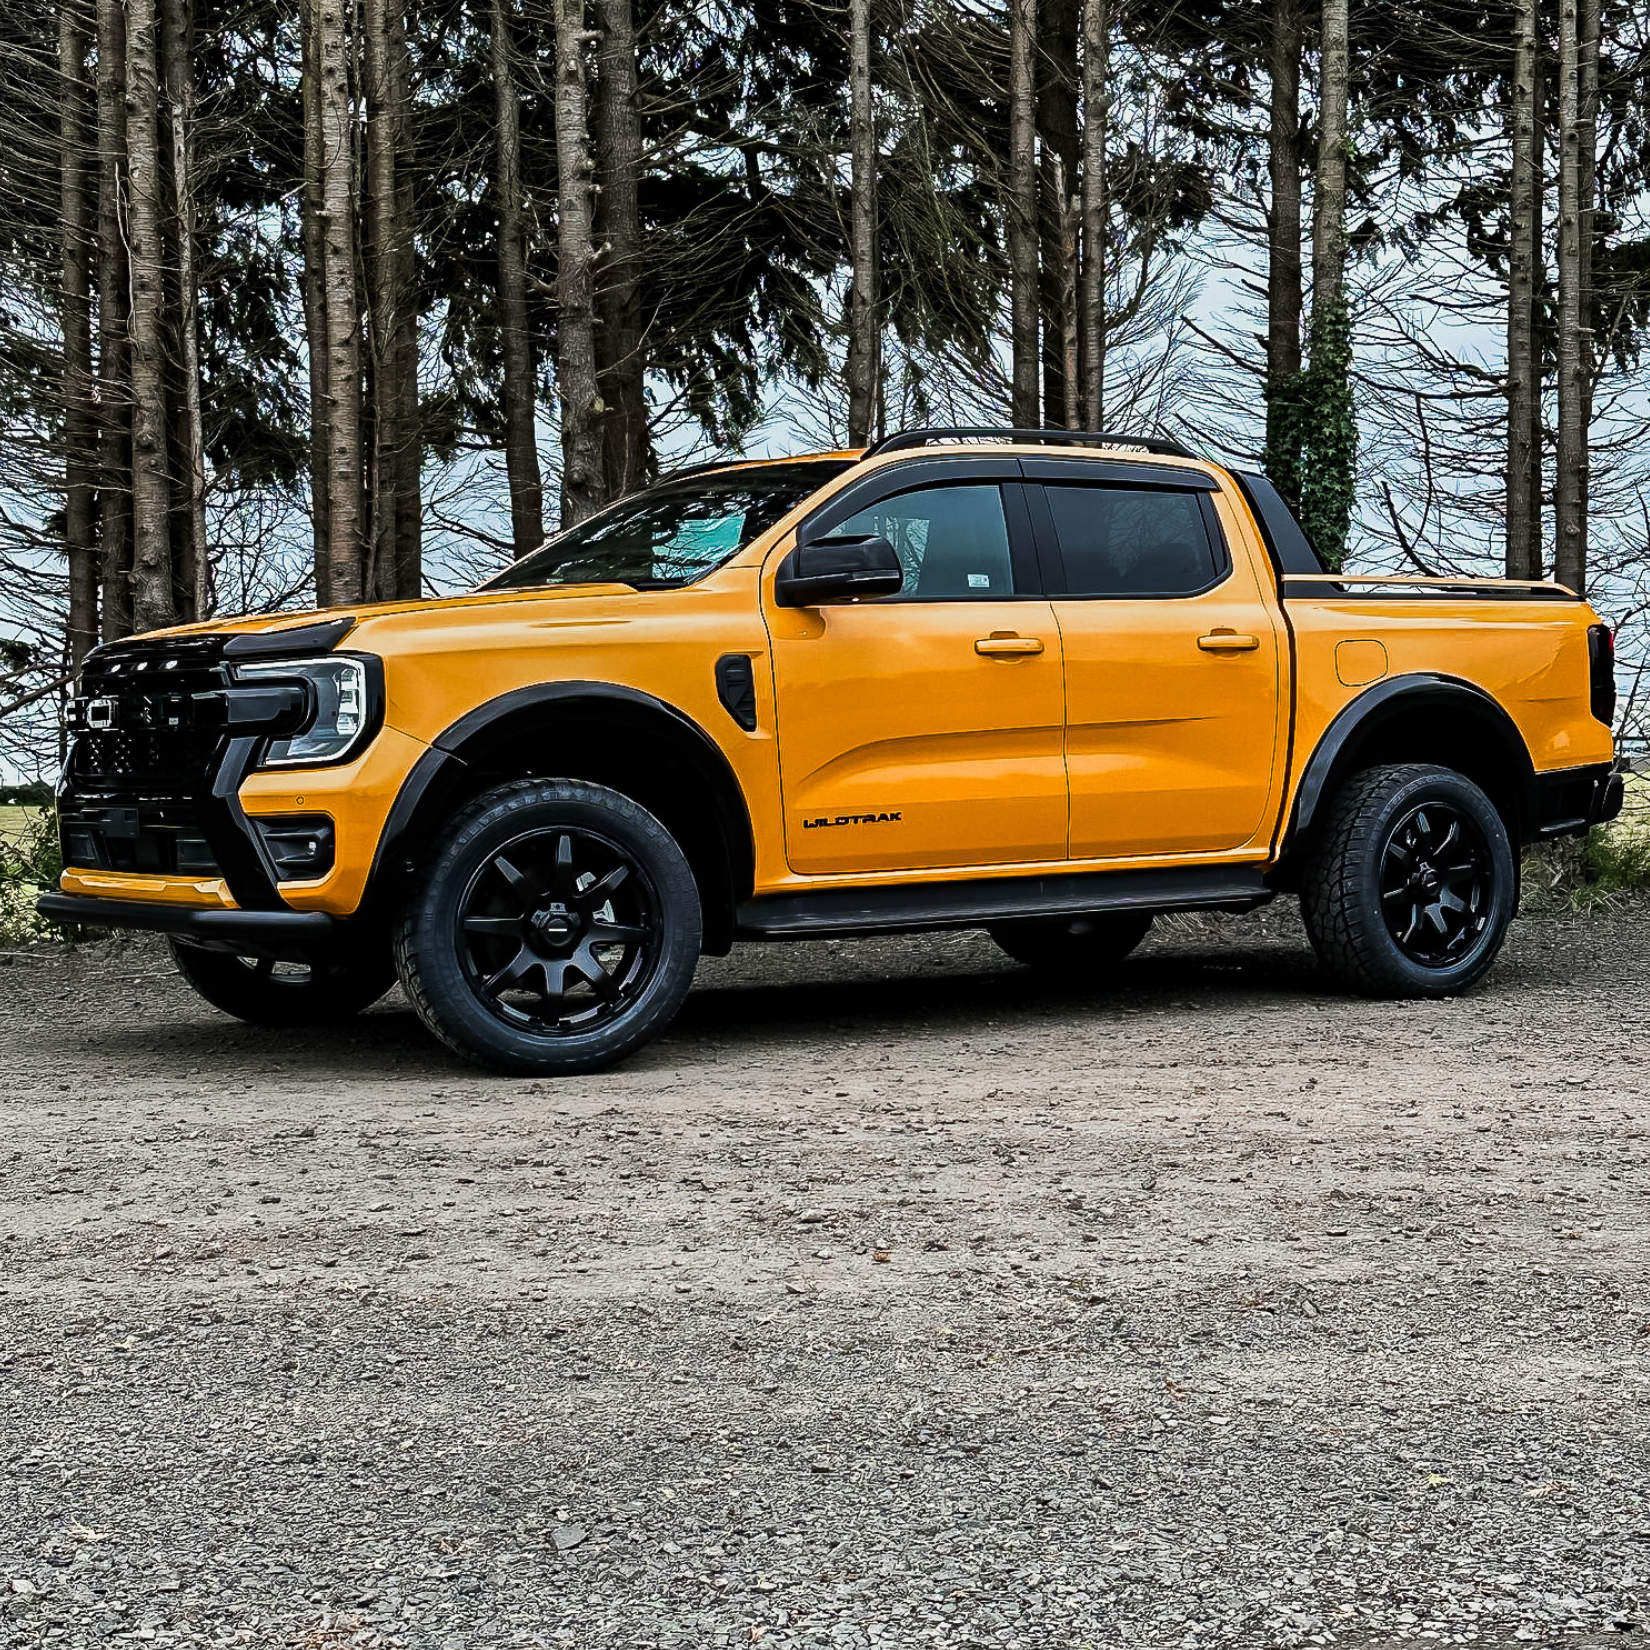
[(1454, 706)]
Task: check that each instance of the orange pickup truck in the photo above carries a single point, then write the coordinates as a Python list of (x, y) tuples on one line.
[(1045, 684)]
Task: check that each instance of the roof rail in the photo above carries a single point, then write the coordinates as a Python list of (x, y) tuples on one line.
[(902, 439)]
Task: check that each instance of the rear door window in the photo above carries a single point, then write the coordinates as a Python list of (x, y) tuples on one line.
[(1119, 541)]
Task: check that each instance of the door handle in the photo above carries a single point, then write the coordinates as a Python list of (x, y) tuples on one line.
[(1227, 641), (1004, 644)]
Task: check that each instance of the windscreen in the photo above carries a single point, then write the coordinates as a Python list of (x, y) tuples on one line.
[(674, 533)]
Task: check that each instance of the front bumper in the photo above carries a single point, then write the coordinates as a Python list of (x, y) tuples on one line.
[(164, 737), (284, 934), (156, 792)]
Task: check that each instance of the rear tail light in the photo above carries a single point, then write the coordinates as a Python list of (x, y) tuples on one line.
[(1601, 653)]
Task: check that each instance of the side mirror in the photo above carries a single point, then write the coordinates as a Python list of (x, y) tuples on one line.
[(822, 571)]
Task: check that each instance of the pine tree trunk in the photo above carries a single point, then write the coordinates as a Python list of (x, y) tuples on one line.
[(381, 404), (1023, 260), (863, 367), (1057, 31), (1283, 265), (345, 547), (1071, 221), (1329, 195), (582, 490), (153, 605), (521, 451), (1096, 118), (114, 387), (313, 209), (1331, 448), (1571, 499), (620, 355), (409, 519), (177, 56), (1587, 98), (393, 522), (1523, 559), (1540, 320), (78, 388)]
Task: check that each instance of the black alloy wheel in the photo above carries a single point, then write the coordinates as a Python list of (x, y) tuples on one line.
[(1411, 885), (555, 928), (1436, 877), (560, 931)]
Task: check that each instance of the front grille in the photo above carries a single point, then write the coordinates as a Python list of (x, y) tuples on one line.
[(142, 763), (138, 770), (133, 734)]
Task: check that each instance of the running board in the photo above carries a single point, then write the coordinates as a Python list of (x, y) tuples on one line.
[(907, 907)]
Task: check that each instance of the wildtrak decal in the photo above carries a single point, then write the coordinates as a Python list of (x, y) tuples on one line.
[(851, 819)]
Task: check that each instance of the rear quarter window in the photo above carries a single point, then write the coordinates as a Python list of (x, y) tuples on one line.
[(1118, 541)]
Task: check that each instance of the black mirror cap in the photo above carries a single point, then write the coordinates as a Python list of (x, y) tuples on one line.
[(819, 572)]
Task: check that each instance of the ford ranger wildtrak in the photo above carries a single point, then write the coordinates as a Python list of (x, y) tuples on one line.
[(1046, 684)]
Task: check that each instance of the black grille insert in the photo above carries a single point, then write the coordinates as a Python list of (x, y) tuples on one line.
[(132, 723), (161, 838)]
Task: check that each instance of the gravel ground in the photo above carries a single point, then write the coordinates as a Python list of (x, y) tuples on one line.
[(892, 1299)]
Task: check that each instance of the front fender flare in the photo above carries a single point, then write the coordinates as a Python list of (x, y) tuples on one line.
[(447, 770)]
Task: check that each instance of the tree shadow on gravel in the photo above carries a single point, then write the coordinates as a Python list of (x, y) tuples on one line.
[(945, 985)]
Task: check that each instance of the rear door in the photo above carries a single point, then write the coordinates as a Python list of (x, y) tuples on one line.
[(925, 730), (1172, 661)]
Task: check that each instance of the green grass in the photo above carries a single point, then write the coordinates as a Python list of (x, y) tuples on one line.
[(15, 822), (28, 862), (1613, 860)]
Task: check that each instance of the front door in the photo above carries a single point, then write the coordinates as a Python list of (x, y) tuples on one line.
[(924, 730), (1172, 670)]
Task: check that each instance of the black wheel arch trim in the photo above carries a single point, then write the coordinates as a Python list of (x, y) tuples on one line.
[(443, 770), (1357, 723)]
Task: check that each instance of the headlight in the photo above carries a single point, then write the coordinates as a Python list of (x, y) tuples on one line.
[(340, 687)]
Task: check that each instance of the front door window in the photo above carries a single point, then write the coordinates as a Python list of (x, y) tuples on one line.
[(951, 541)]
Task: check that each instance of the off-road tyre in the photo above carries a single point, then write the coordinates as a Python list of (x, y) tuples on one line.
[(554, 929), (324, 992), (1416, 850), (1083, 948)]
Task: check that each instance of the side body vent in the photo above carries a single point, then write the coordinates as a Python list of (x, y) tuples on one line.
[(736, 688)]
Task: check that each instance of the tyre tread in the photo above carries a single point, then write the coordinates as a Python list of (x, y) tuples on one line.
[(491, 808), (1336, 918)]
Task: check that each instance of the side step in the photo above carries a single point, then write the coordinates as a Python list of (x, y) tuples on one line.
[(910, 907)]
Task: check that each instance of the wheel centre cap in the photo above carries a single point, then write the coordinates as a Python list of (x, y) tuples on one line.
[(553, 925)]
